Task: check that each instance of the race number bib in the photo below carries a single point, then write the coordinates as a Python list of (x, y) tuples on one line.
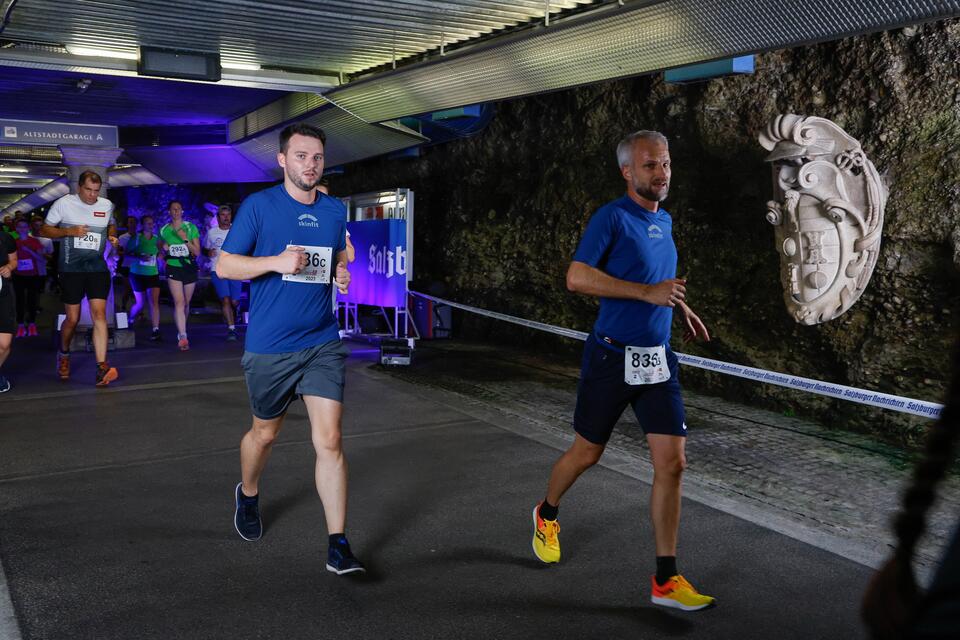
[(89, 240), (645, 365), (317, 270), (178, 250), (148, 261), (25, 265)]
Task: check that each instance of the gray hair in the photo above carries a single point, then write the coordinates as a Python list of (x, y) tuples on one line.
[(625, 148)]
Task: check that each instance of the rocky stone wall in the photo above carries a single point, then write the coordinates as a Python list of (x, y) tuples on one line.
[(498, 216)]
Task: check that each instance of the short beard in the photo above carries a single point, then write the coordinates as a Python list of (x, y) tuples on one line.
[(297, 180), (647, 194)]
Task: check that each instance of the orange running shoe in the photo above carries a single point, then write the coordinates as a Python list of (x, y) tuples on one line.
[(183, 343), (106, 374), (63, 365)]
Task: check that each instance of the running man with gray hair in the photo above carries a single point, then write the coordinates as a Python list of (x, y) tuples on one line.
[(627, 258)]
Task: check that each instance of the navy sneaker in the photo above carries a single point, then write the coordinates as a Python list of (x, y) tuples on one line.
[(232, 335), (246, 520), (4, 385), (340, 560)]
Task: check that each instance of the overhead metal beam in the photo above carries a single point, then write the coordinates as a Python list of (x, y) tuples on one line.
[(616, 42)]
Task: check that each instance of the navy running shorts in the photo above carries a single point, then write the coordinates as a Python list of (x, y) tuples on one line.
[(274, 380), (602, 395)]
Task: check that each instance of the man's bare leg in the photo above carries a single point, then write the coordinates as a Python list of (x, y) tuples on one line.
[(255, 448), (331, 466)]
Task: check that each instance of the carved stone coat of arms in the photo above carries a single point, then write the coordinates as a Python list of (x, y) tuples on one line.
[(827, 215)]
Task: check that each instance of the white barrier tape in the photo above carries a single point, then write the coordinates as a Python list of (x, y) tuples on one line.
[(560, 331), (852, 394)]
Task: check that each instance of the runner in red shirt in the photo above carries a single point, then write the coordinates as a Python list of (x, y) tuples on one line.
[(28, 279)]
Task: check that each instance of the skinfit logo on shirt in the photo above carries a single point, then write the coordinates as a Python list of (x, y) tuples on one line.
[(653, 231), (307, 220), (99, 214)]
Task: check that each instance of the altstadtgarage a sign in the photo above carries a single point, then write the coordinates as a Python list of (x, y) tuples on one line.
[(57, 133)]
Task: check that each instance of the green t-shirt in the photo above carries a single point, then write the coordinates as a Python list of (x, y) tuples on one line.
[(175, 256), (144, 251)]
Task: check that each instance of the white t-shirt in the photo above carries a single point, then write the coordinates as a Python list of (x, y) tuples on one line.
[(83, 254), (214, 241)]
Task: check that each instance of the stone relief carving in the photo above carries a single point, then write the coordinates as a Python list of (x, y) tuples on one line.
[(827, 215)]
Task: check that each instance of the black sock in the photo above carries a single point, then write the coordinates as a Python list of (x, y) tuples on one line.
[(548, 511), (666, 568), (338, 540)]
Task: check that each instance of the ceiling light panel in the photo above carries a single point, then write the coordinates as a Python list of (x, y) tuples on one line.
[(334, 35)]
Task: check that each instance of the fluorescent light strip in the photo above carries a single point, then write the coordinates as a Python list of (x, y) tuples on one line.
[(240, 66), (13, 170), (101, 53)]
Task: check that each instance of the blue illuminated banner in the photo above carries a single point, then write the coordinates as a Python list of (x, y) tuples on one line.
[(379, 274), (57, 133)]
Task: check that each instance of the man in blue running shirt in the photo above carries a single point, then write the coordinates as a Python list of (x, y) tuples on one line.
[(289, 241), (628, 259)]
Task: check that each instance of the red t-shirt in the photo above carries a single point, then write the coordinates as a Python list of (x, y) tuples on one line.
[(27, 263)]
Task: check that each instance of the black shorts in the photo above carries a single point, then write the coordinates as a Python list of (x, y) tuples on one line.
[(75, 285), (8, 308), (602, 395), (123, 271), (141, 283), (186, 274)]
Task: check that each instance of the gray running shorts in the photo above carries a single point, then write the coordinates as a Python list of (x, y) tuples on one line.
[(274, 380)]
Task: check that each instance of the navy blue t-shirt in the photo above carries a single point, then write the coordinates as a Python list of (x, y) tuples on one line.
[(626, 241), (288, 316)]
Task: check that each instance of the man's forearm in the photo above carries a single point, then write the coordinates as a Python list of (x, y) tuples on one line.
[(582, 278), (235, 267), (55, 233)]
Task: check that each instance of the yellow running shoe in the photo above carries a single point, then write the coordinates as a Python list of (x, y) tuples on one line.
[(546, 541), (679, 594)]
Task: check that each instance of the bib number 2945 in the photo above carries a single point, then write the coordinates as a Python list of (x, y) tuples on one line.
[(645, 365), (317, 270)]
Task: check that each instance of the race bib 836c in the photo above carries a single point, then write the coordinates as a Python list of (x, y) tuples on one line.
[(317, 270)]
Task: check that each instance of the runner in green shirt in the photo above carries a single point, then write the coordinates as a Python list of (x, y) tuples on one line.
[(180, 244), (144, 274)]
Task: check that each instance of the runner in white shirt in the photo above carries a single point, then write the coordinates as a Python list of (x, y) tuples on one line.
[(83, 223), (227, 290)]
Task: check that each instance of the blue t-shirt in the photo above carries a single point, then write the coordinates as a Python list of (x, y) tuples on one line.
[(288, 316), (626, 241)]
